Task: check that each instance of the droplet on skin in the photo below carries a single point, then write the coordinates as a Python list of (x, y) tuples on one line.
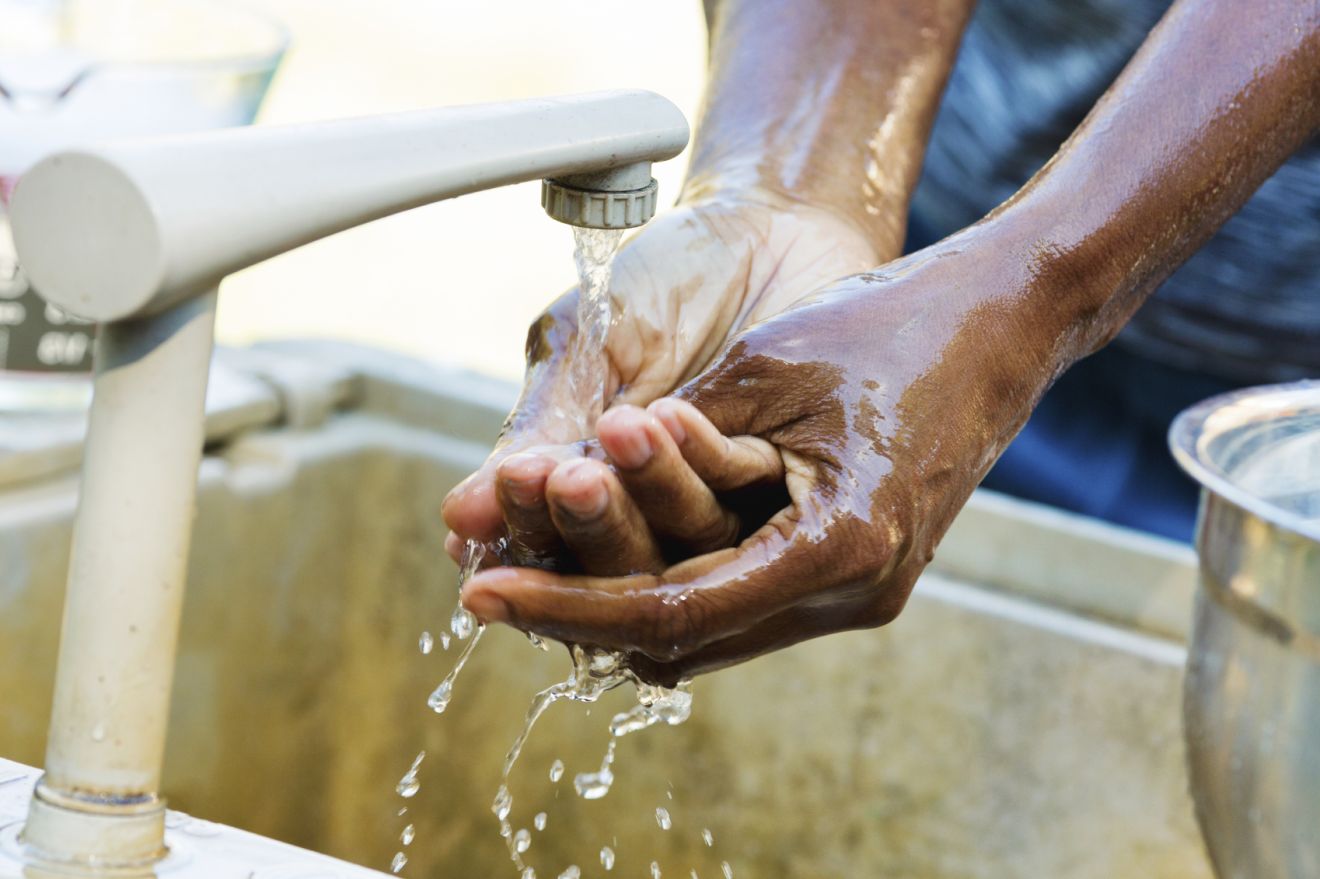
[(707, 837), (408, 834), (556, 770), (425, 643), (400, 861), (726, 870), (539, 821), (662, 818), (522, 840), (607, 858)]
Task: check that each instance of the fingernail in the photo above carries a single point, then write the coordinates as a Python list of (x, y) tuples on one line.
[(664, 411), (582, 493), (488, 607), (524, 493), (634, 448)]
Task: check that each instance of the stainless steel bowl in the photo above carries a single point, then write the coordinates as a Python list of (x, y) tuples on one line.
[(1252, 695)]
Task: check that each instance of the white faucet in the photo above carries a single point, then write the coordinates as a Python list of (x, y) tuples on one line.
[(137, 235)]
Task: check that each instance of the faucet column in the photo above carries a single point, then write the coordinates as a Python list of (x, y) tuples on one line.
[(98, 801)]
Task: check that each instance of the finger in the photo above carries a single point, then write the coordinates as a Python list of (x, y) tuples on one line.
[(599, 522), (520, 487), (671, 496), (693, 604), (723, 463), (471, 510)]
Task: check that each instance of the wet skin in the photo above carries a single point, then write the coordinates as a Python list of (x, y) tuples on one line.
[(882, 400)]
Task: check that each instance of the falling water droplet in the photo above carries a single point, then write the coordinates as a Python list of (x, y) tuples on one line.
[(557, 770), (571, 873), (655, 870), (539, 821), (662, 818), (503, 803), (98, 733), (409, 785), (425, 643), (462, 623), (707, 837), (694, 875), (529, 873), (607, 858), (444, 640), (408, 834), (400, 861), (726, 870), (522, 840), (538, 642), (438, 701)]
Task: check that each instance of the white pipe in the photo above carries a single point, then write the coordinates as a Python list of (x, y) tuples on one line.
[(97, 801), (132, 228)]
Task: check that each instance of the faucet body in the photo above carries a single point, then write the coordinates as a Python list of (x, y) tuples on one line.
[(134, 227), (137, 236)]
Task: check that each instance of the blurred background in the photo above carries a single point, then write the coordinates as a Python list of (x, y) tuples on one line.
[(457, 281)]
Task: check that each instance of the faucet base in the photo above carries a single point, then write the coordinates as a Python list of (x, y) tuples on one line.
[(72, 831)]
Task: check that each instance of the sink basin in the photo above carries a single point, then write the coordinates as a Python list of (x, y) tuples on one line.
[(1020, 719)]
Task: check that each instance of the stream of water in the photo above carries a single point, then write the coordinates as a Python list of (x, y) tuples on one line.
[(595, 671)]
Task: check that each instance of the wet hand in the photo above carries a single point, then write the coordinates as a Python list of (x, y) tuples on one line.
[(680, 289), (885, 399)]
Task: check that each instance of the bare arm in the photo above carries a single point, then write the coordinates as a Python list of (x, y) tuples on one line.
[(1220, 94), (826, 103), (888, 395)]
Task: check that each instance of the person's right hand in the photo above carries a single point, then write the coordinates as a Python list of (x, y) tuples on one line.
[(685, 284)]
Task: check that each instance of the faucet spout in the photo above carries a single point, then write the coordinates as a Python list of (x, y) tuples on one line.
[(131, 228)]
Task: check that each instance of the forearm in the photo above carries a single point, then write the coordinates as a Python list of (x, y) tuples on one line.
[(825, 103), (1221, 93)]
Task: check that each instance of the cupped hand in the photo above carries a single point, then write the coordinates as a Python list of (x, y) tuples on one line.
[(884, 398), (679, 289)]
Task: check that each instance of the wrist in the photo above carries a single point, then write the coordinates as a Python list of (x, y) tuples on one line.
[(882, 231)]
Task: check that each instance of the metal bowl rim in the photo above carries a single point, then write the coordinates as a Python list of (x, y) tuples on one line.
[(1189, 427)]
